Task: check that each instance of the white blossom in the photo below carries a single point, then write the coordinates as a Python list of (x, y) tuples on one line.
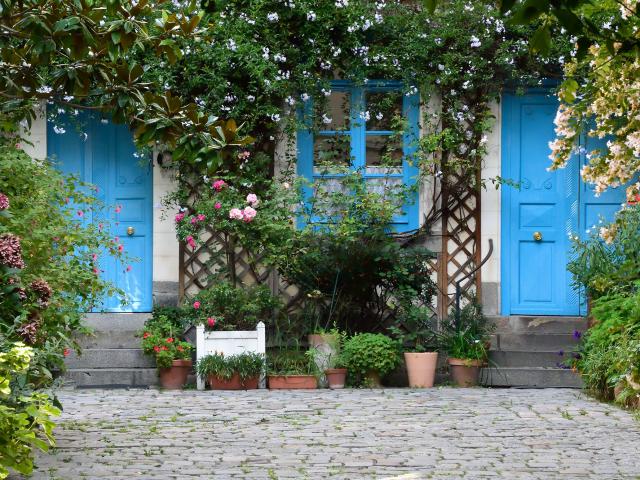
[(273, 17), (475, 42), (311, 16)]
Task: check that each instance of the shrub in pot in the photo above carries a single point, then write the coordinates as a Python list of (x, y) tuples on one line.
[(292, 369), (414, 331), (466, 342), (172, 355), (370, 356), (234, 372)]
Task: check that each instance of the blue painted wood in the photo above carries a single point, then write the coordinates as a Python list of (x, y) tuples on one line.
[(408, 217), (534, 276), (104, 156), (556, 204)]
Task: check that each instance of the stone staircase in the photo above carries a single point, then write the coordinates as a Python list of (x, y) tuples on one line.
[(112, 357), (526, 351)]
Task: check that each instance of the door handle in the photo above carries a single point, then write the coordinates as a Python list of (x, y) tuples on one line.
[(131, 231), (537, 236)]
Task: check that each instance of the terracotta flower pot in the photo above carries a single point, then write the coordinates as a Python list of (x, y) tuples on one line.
[(465, 372), (233, 383), (292, 382), (336, 377), (421, 368), (175, 377), (327, 346)]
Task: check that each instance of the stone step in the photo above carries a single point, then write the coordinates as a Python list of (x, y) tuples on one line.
[(116, 322), (533, 342), (112, 377), (538, 324), (110, 340), (499, 358), (531, 377), (110, 358)]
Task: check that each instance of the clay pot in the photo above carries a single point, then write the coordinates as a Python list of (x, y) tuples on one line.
[(175, 377), (292, 382), (336, 377), (465, 372), (421, 368), (233, 383)]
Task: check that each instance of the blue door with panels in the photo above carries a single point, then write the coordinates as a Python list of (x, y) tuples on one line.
[(539, 216), (102, 153)]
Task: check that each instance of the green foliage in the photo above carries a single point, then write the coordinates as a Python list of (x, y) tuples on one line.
[(414, 328), (161, 338), (354, 272), (247, 365), (291, 362), (469, 339), (43, 296), (234, 308), (369, 352), (25, 419), (602, 267), (610, 351)]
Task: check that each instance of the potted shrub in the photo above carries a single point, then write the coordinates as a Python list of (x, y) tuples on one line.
[(235, 372), (466, 342), (336, 373), (413, 329), (172, 355), (292, 370), (370, 356)]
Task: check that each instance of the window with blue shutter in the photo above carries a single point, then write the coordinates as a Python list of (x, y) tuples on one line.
[(357, 130)]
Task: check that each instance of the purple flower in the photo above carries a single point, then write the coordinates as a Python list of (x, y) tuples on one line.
[(11, 251), (4, 201), (577, 334), (561, 353)]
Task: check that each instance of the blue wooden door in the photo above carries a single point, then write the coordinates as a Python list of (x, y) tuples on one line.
[(540, 215), (103, 154)]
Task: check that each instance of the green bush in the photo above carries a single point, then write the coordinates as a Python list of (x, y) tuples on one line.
[(371, 352), (609, 354), (25, 418), (161, 337)]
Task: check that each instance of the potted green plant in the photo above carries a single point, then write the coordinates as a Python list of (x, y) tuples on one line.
[(370, 356), (336, 371), (466, 340), (173, 359), (292, 369), (235, 372), (414, 331)]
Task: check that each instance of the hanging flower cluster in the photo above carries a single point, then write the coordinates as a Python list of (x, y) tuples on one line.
[(11, 251)]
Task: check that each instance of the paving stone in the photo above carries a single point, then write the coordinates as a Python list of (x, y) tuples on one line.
[(443, 433)]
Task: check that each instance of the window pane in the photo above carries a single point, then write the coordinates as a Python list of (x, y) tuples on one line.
[(333, 111), (384, 154), (382, 108), (330, 197), (331, 153), (389, 188)]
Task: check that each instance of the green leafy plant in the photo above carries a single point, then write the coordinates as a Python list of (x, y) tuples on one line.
[(161, 338), (368, 352), (291, 362), (414, 328), (469, 338), (25, 418), (246, 365)]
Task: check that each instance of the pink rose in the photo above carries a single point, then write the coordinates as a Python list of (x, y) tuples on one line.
[(191, 242), (118, 208), (4, 202), (194, 220), (218, 206), (201, 217), (196, 305), (80, 213), (211, 322), (128, 268), (236, 214), (179, 217), (252, 199), (219, 185), (248, 214)]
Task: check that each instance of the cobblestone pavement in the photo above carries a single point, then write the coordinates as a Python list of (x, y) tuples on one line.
[(442, 433)]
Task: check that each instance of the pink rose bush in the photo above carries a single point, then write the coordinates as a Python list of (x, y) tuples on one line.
[(4, 202)]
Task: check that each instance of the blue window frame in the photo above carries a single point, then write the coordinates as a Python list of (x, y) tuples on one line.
[(365, 137)]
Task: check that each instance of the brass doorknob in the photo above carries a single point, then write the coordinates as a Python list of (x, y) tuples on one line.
[(537, 236), (131, 231)]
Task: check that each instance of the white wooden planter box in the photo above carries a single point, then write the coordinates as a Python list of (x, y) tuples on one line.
[(230, 343)]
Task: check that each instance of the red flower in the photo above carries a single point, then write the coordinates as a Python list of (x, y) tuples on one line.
[(66, 352), (170, 340), (146, 334), (164, 347), (179, 348), (211, 321), (196, 305), (156, 348)]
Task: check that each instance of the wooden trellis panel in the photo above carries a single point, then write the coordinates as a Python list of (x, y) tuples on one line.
[(460, 241)]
